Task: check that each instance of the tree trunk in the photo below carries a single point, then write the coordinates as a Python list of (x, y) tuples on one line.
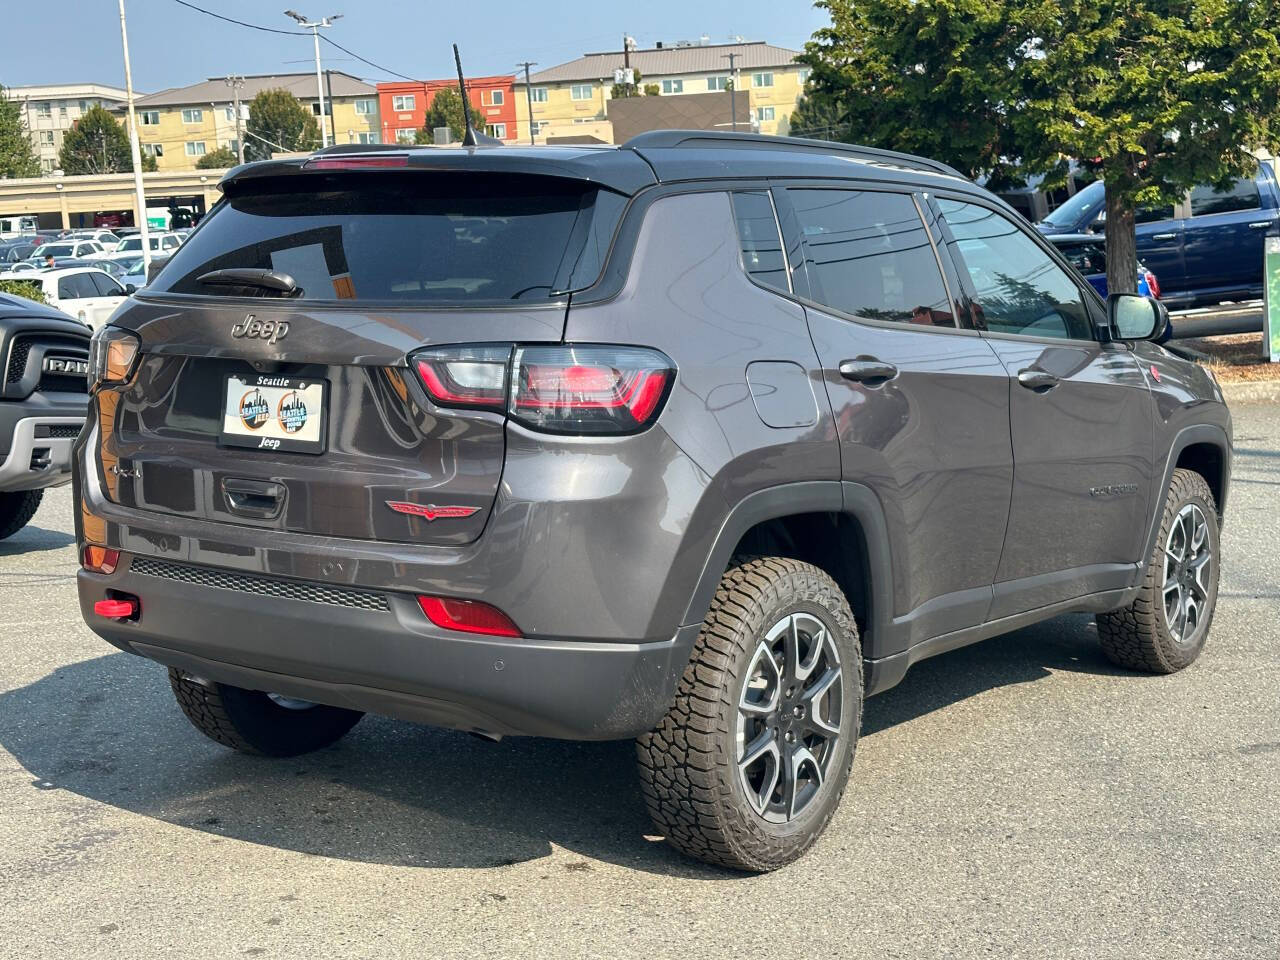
[(1122, 250)]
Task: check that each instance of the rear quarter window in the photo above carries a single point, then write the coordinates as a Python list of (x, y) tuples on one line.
[(405, 237)]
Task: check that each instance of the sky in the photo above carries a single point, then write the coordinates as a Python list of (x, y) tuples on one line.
[(172, 45)]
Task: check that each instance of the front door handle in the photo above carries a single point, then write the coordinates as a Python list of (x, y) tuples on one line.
[(867, 370), (1037, 380), (1164, 236), (1260, 224)]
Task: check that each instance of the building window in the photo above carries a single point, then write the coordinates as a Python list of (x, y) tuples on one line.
[(803, 75), (149, 118), (673, 86), (48, 164), (365, 108), (498, 130), (230, 114), (193, 115), (62, 109), (537, 126), (581, 91), (195, 149), (328, 108), (367, 137), (84, 106), (46, 138), (539, 94), (762, 79), (403, 102), (494, 98), (405, 134), (718, 83), (764, 114), (44, 110), (152, 149)]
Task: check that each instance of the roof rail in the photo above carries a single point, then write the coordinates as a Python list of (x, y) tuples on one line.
[(660, 139)]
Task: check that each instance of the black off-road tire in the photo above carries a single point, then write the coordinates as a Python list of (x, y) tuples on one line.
[(17, 509), (688, 765), (251, 722), (1137, 637)]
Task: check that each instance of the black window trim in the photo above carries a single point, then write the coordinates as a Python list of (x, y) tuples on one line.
[(782, 244), (1089, 296)]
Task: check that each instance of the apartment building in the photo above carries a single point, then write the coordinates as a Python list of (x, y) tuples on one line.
[(403, 106), (577, 92), (180, 125), (50, 110)]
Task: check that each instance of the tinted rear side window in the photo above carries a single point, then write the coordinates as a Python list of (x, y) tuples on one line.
[(759, 239), (412, 237), (1241, 195), (867, 254)]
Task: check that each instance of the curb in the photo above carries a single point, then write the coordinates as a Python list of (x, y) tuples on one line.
[(1254, 391)]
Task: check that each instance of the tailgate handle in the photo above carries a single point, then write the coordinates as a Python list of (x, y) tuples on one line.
[(253, 498)]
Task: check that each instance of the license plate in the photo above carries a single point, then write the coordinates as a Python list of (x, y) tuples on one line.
[(274, 413)]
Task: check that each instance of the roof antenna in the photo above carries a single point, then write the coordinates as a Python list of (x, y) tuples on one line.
[(471, 138)]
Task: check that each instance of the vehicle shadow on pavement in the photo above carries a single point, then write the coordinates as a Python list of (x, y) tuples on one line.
[(400, 794), (34, 539)]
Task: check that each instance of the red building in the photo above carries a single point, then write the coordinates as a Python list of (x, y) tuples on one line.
[(402, 106)]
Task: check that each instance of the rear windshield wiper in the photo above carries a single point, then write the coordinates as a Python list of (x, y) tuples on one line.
[(269, 282)]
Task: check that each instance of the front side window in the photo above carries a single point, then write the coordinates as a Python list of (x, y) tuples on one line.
[(673, 86), (868, 254), (1019, 289), (581, 91), (105, 285), (404, 102), (193, 115), (759, 240), (76, 286), (762, 79), (1242, 194), (195, 148)]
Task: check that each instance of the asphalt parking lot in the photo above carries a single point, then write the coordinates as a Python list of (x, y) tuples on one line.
[(1017, 798)]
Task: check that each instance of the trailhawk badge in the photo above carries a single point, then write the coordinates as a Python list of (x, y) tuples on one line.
[(251, 328), (430, 511)]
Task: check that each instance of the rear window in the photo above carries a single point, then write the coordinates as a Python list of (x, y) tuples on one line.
[(409, 237)]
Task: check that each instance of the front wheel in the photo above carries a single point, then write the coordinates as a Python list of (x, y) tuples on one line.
[(17, 509), (1164, 629), (749, 764)]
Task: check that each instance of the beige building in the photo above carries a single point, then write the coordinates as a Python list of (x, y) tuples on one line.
[(577, 92), (49, 111), (183, 124)]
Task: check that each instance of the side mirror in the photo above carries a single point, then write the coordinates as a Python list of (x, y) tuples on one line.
[(130, 288), (1132, 317)]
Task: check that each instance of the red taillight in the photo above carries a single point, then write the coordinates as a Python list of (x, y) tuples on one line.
[(465, 376), (589, 389), (468, 616), (100, 559), (114, 609), (357, 163), (1153, 284)]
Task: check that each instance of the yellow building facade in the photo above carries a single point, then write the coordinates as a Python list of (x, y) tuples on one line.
[(181, 125), (577, 93)]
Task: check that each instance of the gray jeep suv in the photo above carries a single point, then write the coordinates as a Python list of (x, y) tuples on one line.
[(699, 440)]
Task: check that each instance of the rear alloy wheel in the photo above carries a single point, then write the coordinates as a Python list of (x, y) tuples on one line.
[(749, 764), (251, 721), (1164, 629)]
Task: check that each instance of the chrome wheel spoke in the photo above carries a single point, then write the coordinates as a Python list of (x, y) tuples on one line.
[(813, 702), (761, 784), (817, 644), (764, 683), (804, 777), (1199, 582)]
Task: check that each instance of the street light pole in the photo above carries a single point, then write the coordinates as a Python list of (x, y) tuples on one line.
[(134, 150), (528, 95), (314, 26), (235, 83), (733, 89)]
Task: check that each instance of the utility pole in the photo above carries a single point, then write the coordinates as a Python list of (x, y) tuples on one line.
[(235, 83), (528, 94), (314, 26), (134, 150), (733, 89)]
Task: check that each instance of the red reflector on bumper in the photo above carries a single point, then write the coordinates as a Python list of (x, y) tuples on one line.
[(468, 616), (116, 609), (100, 559)]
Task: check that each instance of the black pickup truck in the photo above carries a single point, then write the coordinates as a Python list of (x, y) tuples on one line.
[(43, 401)]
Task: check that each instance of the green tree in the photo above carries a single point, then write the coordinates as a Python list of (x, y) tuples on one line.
[(218, 159), (278, 122), (1157, 94), (17, 158), (652, 90), (23, 288), (96, 143), (821, 116), (446, 111)]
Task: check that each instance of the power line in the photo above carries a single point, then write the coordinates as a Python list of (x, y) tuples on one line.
[(376, 66), (240, 23)]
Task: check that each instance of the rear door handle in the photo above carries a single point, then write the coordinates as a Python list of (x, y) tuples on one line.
[(1260, 224), (1164, 236), (867, 370), (1037, 380), (253, 498)]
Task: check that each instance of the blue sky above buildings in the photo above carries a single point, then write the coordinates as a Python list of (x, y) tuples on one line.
[(173, 45)]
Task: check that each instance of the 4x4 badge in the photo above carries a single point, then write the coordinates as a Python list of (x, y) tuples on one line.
[(253, 328), (430, 511)]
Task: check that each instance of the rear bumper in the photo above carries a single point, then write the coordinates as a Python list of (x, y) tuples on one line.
[(375, 651)]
